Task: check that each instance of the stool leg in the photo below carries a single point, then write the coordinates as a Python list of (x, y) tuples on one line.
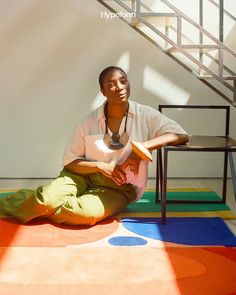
[(164, 188), (159, 175), (161, 171), (233, 174), (224, 191), (157, 178)]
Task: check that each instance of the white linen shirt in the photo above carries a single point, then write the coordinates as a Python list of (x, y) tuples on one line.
[(144, 123)]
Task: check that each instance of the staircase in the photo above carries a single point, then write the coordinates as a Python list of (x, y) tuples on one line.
[(201, 53)]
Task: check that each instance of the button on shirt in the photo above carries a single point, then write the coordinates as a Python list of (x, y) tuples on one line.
[(144, 123)]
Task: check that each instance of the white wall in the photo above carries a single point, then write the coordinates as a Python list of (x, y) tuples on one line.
[(51, 53)]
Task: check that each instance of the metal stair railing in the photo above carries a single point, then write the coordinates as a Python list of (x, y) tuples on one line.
[(220, 45), (224, 11), (140, 18)]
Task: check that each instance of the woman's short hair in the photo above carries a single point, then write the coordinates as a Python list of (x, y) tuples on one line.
[(106, 71)]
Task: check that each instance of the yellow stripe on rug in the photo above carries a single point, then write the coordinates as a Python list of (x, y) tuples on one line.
[(227, 215)]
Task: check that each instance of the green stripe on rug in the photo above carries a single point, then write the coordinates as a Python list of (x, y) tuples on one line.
[(6, 193), (147, 202)]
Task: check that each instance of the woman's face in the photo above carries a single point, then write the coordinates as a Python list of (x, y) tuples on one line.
[(116, 87)]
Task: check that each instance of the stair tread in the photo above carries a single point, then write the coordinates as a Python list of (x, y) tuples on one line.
[(225, 77), (200, 46), (155, 19), (158, 14), (196, 48)]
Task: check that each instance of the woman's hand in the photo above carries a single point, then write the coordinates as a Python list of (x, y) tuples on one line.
[(118, 175), (105, 169), (132, 162)]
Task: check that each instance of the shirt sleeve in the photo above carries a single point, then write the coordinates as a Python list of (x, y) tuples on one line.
[(76, 146), (160, 124)]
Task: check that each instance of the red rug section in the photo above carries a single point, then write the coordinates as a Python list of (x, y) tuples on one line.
[(44, 234)]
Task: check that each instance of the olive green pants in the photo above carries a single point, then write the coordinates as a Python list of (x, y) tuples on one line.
[(71, 199)]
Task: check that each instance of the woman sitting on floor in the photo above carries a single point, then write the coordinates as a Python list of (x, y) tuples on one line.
[(101, 174)]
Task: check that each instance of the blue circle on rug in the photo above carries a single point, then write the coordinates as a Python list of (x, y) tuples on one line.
[(198, 231), (127, 241)]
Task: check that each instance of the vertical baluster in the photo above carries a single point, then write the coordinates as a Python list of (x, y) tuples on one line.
[(221, 20), (200, 33)]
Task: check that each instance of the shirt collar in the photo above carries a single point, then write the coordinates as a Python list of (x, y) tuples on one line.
[(100, 110)]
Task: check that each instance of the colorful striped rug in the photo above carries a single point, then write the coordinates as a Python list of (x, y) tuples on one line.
[(132, 253)]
